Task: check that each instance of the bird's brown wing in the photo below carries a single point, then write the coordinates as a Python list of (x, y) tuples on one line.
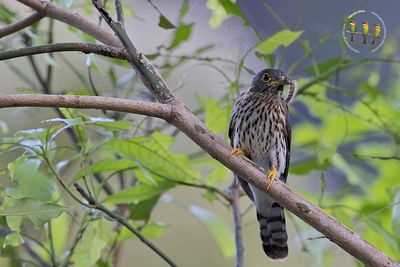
[(288, 139), (231, 132)]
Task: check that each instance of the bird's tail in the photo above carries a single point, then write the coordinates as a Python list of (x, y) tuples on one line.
[(352, 38), (273, 232), (365, 39)]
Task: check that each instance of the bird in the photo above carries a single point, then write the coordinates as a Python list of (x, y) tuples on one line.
[(353, 29), (259, 129), (376, 32), (365, 31)]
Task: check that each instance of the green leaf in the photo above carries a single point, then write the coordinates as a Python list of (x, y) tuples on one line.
[(219, 174), (217, 117), (30, 181), (184, 10), (285, 38), (153, 156), (182, 34), (6, 15), (221, 10), (326, 65), (112, 165), (38, 212), (154, 230), (137, 193), (165, 23), (142, 210), (110, 124), (13, 239), (151, 230), (219, 230), (91, 245)]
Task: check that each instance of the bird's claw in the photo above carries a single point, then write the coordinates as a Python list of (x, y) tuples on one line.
[(237, 151), (271, 177)]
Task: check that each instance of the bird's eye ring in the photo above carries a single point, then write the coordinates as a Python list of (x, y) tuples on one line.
[(266, 77), (282, 78)]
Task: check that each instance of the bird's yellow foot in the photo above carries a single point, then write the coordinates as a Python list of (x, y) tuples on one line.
[(271, 177), (237, 151)]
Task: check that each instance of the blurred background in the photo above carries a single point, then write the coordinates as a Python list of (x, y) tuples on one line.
[(345, 134)]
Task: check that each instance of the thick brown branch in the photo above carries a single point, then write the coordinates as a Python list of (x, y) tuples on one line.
[(52, 11), (99, 49), (162, 111), (20, 24), (188, 123)]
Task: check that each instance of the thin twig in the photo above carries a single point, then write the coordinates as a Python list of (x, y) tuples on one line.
[(103, 50), (97, 205), (20, 24), (237, 221), (120, 12), (51, 244)]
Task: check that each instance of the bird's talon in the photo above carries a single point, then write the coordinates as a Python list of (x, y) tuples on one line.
[(271, 177), (237, 151)]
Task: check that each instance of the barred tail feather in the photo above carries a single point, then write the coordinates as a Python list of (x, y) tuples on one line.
[(273, 232)]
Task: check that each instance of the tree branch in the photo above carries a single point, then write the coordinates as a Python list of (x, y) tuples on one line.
[(20, 24), (103, 50), (182, 118), (237, 222), (52, 11), (158, 110)]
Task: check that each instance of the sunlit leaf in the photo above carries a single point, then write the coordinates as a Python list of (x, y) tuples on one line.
[(30, 181), (285, 38), (90, 247), (182, 34), (222, 9), (38, 212), (217, 117), (219, 174), (153, 157)]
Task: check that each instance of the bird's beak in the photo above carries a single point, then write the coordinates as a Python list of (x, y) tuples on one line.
[(284, 81)]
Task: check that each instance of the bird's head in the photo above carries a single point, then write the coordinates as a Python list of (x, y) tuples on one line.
[(365, 23), (353, 23), (377, 26), (270, 80)]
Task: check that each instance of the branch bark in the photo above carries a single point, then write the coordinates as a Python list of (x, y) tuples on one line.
[(237, 222), (104, 50), (52, 11), (179, 115), (182, 118), (20, 24), (158, 110)]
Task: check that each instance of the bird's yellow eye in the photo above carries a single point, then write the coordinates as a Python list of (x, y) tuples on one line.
[(266, 77)]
